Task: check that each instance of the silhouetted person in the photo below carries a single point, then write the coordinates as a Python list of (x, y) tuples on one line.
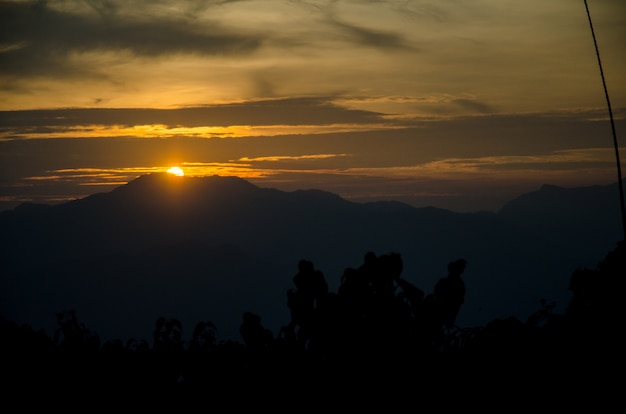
[(412, 294), (354, 289), (443, 304), (372, 321), (413, 297), (311, 290), (388, 269), (449, 292), (310, 283)]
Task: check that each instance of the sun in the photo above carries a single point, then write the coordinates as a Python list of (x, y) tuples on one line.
[(177, 171)]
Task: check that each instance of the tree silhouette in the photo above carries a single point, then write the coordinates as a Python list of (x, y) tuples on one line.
[(72, 335), (374, 328)]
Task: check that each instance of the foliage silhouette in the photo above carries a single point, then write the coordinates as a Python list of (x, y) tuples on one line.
[(376, 322)]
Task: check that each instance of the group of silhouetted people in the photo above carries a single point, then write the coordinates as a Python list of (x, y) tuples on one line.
[(373, 310)]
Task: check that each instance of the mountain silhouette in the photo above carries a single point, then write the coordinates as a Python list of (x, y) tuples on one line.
[(584, 212), (212, 248)]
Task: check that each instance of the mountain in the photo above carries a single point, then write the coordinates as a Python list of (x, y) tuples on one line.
[(212, 248), (590, 213)]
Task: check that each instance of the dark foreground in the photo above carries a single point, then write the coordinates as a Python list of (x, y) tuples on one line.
[(369, 346)]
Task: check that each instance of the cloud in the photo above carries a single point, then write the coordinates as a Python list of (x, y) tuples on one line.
[(373, 38), (301, 112), (474, 105), (40, 40), (291, 157), (557, 161), (427, 163), (513, 57)]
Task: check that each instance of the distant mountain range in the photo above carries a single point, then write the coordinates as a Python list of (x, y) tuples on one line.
[(212, 248)]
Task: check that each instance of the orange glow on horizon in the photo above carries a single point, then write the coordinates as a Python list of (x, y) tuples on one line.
[(177, 171), (164, 131)]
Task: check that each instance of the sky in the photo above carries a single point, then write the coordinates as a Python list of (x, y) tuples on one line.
[(457, 104)]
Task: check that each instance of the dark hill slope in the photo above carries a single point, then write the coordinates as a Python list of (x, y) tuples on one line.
[(589, 215), (208, 249)]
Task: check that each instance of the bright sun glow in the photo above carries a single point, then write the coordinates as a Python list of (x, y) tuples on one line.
[(176, 171)]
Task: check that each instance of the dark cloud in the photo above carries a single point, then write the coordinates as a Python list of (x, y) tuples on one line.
[(372, 38), (474, 105), (383, 40), (104, 7), (293, 111), (38, 38)]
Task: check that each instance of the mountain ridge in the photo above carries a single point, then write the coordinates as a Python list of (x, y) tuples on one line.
[(513, 261)]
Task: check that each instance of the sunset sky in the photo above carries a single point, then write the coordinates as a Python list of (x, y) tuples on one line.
[(458, 104)]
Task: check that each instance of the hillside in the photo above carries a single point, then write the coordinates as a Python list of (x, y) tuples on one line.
[(212, 248)]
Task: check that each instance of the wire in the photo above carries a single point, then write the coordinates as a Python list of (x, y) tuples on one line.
[(608, 102)]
